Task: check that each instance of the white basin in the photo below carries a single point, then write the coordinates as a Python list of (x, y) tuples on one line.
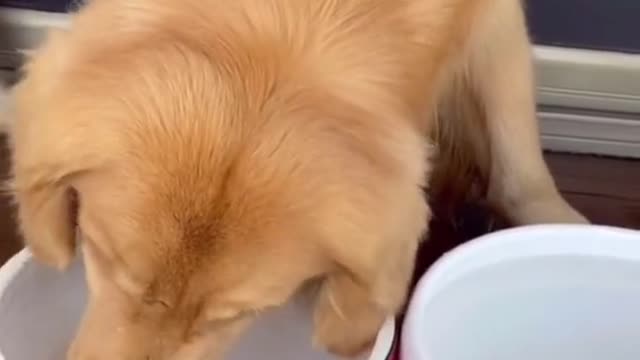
[(41, 308), (552, 292)]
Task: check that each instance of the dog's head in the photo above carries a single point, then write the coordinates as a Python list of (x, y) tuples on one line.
[(199, 203), (177, 263), (191, 222)]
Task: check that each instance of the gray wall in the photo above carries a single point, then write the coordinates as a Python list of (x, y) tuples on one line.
[(592, 24)]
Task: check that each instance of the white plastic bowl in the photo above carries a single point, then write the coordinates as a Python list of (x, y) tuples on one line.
[(551, 292), (40, 309)]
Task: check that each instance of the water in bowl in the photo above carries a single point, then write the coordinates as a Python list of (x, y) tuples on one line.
[(551, 308)]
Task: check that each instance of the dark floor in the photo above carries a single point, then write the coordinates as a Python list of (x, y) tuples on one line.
[(9, 243), (605, 190)]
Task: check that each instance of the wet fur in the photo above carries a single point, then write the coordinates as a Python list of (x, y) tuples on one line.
[(224, 153)]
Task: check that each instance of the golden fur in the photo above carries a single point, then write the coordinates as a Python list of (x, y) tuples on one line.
[(225, 152)]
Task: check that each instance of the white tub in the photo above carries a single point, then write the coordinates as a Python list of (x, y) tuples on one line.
[(40, 309), (554, 292)]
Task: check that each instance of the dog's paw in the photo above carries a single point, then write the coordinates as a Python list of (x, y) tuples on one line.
[(341, 340), (547, 211), (348, 332)]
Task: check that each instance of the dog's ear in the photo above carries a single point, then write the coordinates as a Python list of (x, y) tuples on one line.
[(52, 145), (46, 219), (47, 165)]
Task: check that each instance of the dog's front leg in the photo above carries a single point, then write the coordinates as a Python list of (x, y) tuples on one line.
[(371, 283), (501, 67)]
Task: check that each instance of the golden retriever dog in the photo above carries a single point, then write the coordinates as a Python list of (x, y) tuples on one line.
[(217, 155)]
